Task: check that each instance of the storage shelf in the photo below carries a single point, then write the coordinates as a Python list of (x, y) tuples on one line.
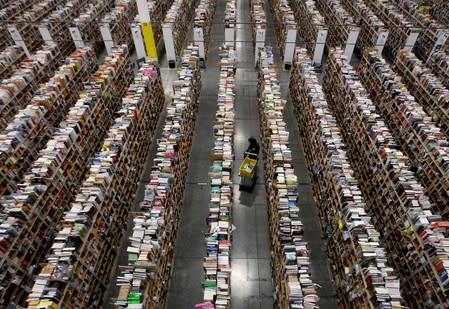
[(291, 262), (143, 282), (31, 127), (10, 58), (359, 264), (17, 90), (119, 20), (425, 87), (203, 16), (412, 127), (415, 237), (33, 213), (93, 226), (283, 20)]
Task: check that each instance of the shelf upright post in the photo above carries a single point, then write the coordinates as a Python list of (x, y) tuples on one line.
[(76, 36), (381, 40), (167, 32), (107, 37), (260, 42), (138, 41), (290, 45), (319, 47), (146, 29), (198, 38), (17, 37), (46, 35), (411, 40), (442, 36), (229, 36), (350, 43)]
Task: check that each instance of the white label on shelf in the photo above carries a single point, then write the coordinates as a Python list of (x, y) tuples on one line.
[(411, 40), (46, 35), (260, 42), (15, 34), (107, 38), (350, 43), (319, 47), (144, 12), (230, 36), (381, 40), (76, 36), (168, 41), (290, 43), (199, 39), (138, 41)]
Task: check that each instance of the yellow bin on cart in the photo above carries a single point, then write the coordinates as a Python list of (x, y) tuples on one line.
[(248, 172)]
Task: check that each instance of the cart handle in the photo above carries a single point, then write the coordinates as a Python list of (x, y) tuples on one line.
[(250, 153)]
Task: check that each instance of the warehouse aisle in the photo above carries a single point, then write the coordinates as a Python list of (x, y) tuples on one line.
[(190, 248), (251, 259), (321, 274)]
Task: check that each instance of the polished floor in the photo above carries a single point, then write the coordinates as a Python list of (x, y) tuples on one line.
[(251, 285)]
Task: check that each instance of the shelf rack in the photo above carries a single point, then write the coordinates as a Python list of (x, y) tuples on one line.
[(291, 263), (362, 275), (118, 22), (7, 13), (32, 216), (413, 129), (342, 22), (258, 20), (439, 63), (440, 11), (372, 30), (418, 13), (56, 26), (31, 127), (216, 264), (203, 16), (425, 87), (16, 91), (27, 22), (178, 19), (10, 58), (144, 280), (283, 19), (414, 236), (88, 24), (85, 247), (399, 25)]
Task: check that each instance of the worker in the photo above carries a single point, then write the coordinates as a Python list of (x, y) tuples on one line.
[(253, 148)]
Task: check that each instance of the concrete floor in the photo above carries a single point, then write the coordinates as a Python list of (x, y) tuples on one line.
[(251, 284)]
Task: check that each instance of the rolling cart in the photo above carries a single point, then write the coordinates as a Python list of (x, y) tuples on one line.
[(248, 170)]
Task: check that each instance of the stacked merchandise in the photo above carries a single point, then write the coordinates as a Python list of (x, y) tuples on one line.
[(58, 23), (258, 18), (283, 20), (425, 87), (230, 14), (415, 237), (371, 27), (419, 13), (33, 213), (310, 22), (415, 131), (359, 263), (31, 127), (203, 17), (440, 11), (88, 23), (27, 22), (118, 21), (85, 248), (144, 280), (439, 63), (10, 57), (217, 262), (178, 18), (400, 27), (291, 264), (342, 22), (16, 91)]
